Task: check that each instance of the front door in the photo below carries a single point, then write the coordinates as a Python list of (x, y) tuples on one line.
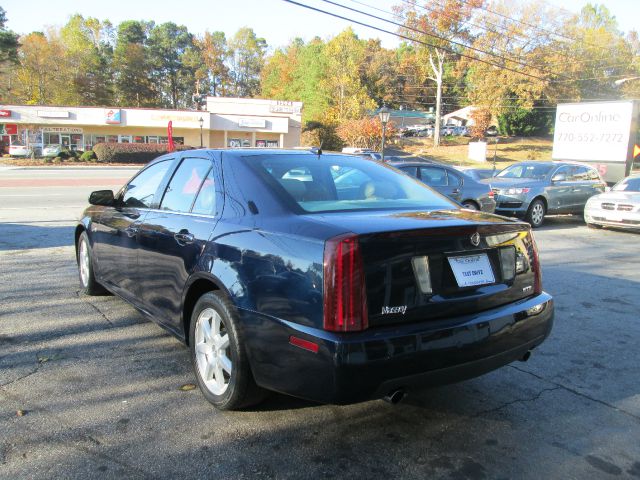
[(65, 140), (173, 236), (116, 232)]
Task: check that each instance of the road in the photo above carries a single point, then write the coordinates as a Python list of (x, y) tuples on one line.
[(88, 388)]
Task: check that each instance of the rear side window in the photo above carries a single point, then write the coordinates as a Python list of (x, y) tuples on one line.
[(140, 191), (436, 177), (185, 184), (205, 203)]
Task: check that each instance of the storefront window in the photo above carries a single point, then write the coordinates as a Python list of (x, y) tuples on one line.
[(112, 139), (77, 141), (138, 139), (124, 139), (152, 139), (272, 143), (51, 138), (261, 143), (234, 143), (163, 139)]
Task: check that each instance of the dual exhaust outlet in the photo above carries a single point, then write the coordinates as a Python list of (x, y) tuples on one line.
[(396, 396)]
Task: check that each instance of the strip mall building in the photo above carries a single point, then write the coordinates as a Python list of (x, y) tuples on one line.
[(226, 122)]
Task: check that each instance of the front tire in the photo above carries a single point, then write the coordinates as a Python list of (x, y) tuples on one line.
[(536, 213), (470, 205), (218, 355), (88, 283)]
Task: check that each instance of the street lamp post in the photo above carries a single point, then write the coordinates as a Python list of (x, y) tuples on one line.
[(201, 122), (384, 118)]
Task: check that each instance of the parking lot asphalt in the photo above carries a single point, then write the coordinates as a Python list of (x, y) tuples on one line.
[(90, 389)]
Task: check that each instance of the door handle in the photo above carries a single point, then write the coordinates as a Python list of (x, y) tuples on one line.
[(456, 191), (132, 230), (183, 237)]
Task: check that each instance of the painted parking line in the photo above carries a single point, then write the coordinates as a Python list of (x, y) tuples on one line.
[(61, 182)]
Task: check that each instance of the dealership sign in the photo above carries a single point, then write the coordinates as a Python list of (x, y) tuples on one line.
[(283, 106), (597, 131), (112, 116), (9, 129)]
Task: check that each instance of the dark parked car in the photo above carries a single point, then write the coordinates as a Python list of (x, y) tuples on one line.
[(531, 190), (282, 272), (451, 182)]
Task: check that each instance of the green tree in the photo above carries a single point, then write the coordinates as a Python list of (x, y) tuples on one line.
[(215, 55), (169, 46), (247, 59), (132, 66), (8, 51), (342, 82), (87, 61)]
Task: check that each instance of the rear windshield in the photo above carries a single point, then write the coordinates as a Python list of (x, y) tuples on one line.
[(331, 183), (526, 170), (628, 185)]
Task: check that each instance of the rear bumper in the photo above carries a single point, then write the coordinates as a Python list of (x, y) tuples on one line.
[(359, 366)]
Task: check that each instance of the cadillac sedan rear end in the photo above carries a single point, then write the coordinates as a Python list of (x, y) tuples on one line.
[(407, 298)]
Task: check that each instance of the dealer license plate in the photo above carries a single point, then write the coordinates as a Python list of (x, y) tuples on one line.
[(472, 270)]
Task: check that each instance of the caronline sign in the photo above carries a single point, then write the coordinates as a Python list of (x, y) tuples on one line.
[(592, 131)]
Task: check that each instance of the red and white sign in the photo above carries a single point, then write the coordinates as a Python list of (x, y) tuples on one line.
[(9, 129), (5, 113)]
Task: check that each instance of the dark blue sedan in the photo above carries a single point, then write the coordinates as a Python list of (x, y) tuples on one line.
[(324, 276)]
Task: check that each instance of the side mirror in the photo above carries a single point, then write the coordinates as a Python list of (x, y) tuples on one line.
[(560, 177), (102, 197)]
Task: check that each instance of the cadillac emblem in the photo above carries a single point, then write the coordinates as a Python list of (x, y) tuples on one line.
[(475, 239)]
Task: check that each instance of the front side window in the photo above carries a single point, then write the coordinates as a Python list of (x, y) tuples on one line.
[(526, 170), (140, 191), (185, 184), (340, 182)]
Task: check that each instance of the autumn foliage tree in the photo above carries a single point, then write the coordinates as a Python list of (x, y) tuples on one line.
[(364, 132), (481, 118)]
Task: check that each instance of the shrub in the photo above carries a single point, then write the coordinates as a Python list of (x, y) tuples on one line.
[(316, 134), (365, 133), (88, 156), (481, 121), (131, 152), (58, 160)]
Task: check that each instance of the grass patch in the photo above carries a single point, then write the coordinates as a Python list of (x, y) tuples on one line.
[(454, 150)]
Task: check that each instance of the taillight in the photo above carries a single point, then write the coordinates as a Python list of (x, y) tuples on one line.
[(491, 192), (345, 298), (535, 260)]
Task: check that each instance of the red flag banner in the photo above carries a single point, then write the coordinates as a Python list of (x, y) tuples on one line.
[(172, 145)]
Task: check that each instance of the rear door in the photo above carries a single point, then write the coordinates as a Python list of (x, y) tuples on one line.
[(588, 184), (437, 178), (172, 236)]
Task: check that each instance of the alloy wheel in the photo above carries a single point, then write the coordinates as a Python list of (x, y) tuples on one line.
[(212, 351)]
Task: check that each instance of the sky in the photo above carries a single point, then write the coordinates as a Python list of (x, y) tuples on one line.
[(275, 20)]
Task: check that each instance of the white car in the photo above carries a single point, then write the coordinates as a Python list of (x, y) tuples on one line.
[(18, 150), (619, 207), (51, 150)]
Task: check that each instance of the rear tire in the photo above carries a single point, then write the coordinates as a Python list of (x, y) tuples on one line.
[(471, 205), (84, 256), (535, 214), (218, 356)]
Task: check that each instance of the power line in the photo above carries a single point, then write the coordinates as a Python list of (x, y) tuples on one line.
[(319, 10), (433, 35), (504, 29)]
